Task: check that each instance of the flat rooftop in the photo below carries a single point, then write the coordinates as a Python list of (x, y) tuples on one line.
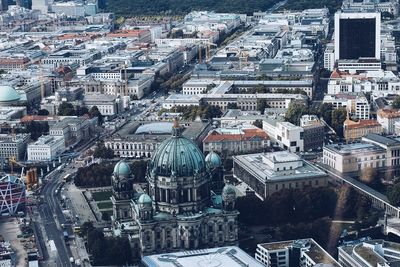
[(257, 166), (308, 246), (158, 131), (222, 257), (355, 148)]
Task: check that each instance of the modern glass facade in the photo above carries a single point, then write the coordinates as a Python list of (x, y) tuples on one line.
[(357, 38)]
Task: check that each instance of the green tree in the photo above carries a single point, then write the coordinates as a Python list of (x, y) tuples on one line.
[(66, 109), (105, 216), (86, 227), (139, 168), (295, 111), (394, 195), (80, 111), (325, 112), (36, 129), (396, 103), (94, 112), (95, 175), (43, 112), (262, 105), (103, 152), (338, 117)]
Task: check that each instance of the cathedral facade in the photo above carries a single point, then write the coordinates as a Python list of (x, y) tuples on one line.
[(185, 205)]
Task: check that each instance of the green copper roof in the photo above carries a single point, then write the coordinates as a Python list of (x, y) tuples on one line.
[(144, 199), (122, 169), (8, 94), (213, 160), (177, 156)]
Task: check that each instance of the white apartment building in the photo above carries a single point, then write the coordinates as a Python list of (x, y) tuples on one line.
[(285, 134), (357, 105), (302, 252), (380, 83), (46, 148), (388, 118), (329, 57)]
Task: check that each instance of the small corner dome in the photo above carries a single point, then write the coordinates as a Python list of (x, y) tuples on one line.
[(122, 169), (228, 191), (8, 94), (213, 160), (144, 199)]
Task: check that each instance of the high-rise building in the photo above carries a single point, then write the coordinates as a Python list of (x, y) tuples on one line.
[(357, 35)]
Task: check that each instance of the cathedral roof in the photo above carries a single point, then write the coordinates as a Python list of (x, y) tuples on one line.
[(177, 156)]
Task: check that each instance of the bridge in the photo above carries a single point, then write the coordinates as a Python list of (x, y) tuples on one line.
[(392, 226), (378, 199)]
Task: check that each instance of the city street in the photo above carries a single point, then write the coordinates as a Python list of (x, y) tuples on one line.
[(51, 217)]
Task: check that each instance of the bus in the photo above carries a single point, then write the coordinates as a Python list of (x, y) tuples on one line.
[(67, 178), (77, 230)]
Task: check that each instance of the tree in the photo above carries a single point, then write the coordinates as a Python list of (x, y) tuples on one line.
[(396, 103), (258, 123), (212, 112), (105, 216), (95, 175), (338, 117), (325, 112), (94, 112), (66, 109), (103, 152), (295, 111), (139, 168), (43, 112), (394, 195), (80, 111), (36, 128), (86, 227), (262, 105)]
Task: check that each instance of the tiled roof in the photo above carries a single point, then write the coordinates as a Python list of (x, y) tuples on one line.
[(360, 124)]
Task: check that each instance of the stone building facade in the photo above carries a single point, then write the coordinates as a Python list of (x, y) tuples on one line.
[(178, 212)]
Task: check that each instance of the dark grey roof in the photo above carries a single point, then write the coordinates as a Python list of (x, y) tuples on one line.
[(382, 139)]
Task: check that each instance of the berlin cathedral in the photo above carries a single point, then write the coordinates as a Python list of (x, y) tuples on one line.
[(184, 205)]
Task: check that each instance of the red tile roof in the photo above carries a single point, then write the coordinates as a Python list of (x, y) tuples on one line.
[(361, 124)]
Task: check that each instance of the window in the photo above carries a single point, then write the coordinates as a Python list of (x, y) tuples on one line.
[(293, 143)]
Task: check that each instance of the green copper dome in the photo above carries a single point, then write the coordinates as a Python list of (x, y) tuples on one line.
[(122, 169), (213, 160), (228, 191), (144, 199), (8, 94), (177, 156)]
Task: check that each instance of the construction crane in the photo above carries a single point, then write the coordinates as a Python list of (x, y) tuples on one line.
[(208, 46), (31, 178), (12, 160), (208, 50)]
